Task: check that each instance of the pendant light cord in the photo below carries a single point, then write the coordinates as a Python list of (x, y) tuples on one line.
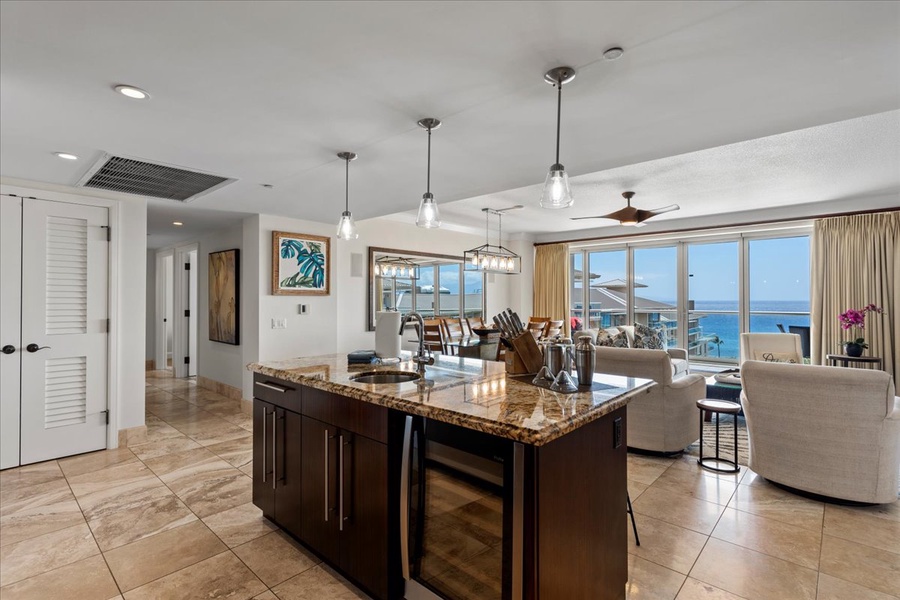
[(347, 187), (428, 175), (558, 114)]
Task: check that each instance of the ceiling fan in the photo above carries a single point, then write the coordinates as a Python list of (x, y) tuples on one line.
[(630, 215)]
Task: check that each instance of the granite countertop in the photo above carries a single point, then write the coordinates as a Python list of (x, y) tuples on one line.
[(468, 392)]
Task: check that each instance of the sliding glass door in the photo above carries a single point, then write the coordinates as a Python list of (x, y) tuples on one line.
[(713, 301), (655, 302)]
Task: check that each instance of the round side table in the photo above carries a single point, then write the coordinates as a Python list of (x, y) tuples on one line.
[(719, 407)]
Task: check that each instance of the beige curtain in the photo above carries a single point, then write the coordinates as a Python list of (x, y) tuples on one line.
[(551, 282), (855, 262)]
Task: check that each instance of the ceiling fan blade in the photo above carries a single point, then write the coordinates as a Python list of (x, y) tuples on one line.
[(594, 217)]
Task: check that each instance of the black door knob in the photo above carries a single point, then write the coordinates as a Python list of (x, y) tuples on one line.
[(35, 347), (8, 349)]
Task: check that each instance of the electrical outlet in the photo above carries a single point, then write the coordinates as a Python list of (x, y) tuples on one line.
[(279, 323)]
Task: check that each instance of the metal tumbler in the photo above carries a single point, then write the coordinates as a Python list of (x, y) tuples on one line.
[(584, 361)]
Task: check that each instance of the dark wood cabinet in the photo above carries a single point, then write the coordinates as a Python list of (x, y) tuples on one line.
[(322, 474)]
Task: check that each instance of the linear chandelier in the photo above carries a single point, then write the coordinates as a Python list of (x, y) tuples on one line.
[(493, 258), (395, 266)]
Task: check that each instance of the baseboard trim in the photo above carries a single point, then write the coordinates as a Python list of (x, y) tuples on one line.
[(229, 391), (132, 436)]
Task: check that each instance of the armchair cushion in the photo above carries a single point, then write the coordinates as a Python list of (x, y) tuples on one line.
[(649, 338)]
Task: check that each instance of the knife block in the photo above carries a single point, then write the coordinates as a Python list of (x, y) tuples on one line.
[(525, 356)]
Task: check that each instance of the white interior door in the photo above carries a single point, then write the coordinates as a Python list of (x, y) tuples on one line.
[(65, 277), (10, 328)]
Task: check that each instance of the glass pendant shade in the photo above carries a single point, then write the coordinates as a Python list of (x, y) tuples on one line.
[(346, 229), (429, 216), (557, 193)]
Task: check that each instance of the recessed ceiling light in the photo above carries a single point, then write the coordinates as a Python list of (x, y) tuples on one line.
[(66, 155), (132, 92), (613, 53), (177, 223)]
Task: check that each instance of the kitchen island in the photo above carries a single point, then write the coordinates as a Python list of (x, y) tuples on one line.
[(370, 477)]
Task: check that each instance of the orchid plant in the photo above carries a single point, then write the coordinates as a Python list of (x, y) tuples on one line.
[(853, 318)]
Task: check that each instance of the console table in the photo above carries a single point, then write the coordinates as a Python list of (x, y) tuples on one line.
[(834, 359)]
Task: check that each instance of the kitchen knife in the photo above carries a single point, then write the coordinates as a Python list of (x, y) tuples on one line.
[(499, 325), (518, 322)]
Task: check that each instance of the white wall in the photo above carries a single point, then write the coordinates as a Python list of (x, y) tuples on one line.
[(128, 280), (352, 302), (150, 303), (215, 360)]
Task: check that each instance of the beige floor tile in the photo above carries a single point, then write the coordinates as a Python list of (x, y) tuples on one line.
[(688, 462), (223, 431), (15, 497), (851, 523), (153, 557), (137, 521), (247, 469), (678, 509), (318, 583), (37, 515), (711, 489), (94, 461), (667, 545), (157, 429), (697, 590), (21, 477), (117, 475), (266, 595), (240, 524), (45, 553), (121, 497), (832, 588), (775, 538), (209, 488), (275, 558), (866, 566), (635, 489), (222, 576), (165, 446), (165, 464), (752, 574), (86, 579), (649, 581), (237, 452), (771, 502), (644, 469)]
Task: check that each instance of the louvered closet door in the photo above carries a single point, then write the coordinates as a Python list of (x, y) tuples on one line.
[(65, 272)]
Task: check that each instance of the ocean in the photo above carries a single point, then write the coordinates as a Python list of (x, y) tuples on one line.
[(726, 326)]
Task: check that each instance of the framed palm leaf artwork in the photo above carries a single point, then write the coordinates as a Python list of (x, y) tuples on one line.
[(224, 296), (300, 264)]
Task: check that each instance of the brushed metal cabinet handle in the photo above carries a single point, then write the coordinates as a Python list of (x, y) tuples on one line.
[(341, 482), (273, 387), (274, 444), (404, 498), (326, 476)]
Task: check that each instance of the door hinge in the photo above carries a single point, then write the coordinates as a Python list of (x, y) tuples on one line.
[(187, 313), (187, 266), (187, 360), (106, 413), (108, 232)]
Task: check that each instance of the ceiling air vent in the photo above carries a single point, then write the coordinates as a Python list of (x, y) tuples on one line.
[(133, 176)]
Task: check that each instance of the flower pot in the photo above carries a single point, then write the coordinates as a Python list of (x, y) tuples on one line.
[(854, 350)]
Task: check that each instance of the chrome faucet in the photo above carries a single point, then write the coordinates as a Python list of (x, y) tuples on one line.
[(422, 357)]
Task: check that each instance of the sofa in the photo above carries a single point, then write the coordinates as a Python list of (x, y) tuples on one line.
[(832, 431), (678, 356), (664, 419)]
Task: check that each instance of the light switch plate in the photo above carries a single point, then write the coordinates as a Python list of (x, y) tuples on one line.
[(303, 309), (279, 323)]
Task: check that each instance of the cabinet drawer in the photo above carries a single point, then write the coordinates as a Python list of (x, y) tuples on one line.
[(360, 417), (280, 393)]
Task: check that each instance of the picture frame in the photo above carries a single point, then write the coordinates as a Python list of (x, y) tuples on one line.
[(301, 264), (224, 296)]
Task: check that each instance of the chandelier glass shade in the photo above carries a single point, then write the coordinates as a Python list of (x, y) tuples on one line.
[(392, 267)]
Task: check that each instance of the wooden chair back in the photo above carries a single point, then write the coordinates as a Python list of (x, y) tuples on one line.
[(453, 331), (475, 322), (537, 325), (434, 336), (553, 328)]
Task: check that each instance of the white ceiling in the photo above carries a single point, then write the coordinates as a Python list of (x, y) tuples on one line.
[(268, 92)]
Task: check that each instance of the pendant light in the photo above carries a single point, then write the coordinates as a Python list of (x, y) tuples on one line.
[(429, 217), (556, 193), (346, 229)]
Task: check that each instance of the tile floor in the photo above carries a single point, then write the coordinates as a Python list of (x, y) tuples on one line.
[(173, 518)]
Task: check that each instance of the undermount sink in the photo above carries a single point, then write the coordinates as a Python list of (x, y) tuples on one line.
[(386, 377)]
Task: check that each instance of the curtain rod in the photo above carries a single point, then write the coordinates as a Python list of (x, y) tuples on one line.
[(714, 227)]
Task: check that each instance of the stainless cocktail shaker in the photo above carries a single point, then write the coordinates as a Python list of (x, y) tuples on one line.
[(584, 360)]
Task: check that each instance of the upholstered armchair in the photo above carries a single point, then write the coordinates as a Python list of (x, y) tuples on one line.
[(831, 431), (771, 347), (665, 418)]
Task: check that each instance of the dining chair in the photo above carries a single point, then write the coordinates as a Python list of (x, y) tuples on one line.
[(434, 336), (453, 332), (553, 328), (803, 332), (537, 325), (475, 323)]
